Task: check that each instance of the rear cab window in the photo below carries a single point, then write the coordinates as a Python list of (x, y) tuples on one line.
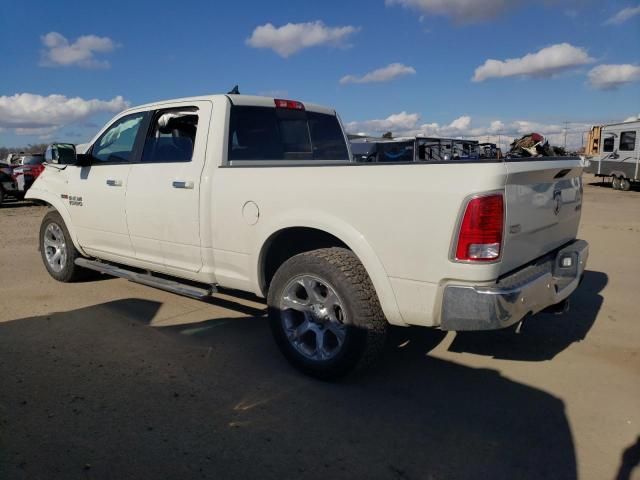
[(270, 134)]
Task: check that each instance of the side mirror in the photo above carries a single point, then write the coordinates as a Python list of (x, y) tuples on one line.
[(60, 153)]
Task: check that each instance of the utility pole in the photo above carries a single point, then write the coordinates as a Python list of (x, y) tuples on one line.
[(566, 124)]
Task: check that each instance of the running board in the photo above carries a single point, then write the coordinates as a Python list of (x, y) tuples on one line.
[(147, 279)]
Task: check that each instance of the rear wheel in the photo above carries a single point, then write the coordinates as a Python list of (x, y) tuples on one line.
[(57, 249), (615, 183), (325, 315), (625, 185)]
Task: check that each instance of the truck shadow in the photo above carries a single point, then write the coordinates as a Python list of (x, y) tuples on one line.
[(108, 396), (543, 336)]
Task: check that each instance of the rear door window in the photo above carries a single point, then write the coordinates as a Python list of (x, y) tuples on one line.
[(171, 136), (264, 133)]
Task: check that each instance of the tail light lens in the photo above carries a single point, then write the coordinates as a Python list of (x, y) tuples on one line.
[(480, 236)]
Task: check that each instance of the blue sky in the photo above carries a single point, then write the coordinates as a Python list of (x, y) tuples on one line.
[(580, 69)]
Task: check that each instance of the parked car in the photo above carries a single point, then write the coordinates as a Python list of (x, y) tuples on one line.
[(8, 185), (261, 195), (26, 170)]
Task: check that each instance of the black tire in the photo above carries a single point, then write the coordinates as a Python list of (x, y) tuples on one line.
[(625, 185), (69, 271), (1, 196), (615, 183), (365, 324)]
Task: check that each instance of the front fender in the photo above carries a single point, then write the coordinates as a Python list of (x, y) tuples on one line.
[(54, 200), (351, 237)]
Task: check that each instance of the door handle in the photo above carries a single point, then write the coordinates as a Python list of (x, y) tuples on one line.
[(114, 183), (182, 184)]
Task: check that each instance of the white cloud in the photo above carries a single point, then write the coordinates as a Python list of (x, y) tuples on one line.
[(496, 131), (293, 37), (31, 114), (81, 53), (610, 77), (462, 11), (543, 63), (633, 118), (384, 74), (623, 15), (402, 121)]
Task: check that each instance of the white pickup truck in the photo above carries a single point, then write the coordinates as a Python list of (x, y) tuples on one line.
[(261, 195)]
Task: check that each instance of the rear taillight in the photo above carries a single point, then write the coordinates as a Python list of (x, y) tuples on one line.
[(480, 236), (290, 104)]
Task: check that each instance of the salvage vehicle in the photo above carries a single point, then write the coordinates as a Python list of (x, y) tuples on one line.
[(27, 169), (8, 185), (414, 149), (382, 150), (261, 195)]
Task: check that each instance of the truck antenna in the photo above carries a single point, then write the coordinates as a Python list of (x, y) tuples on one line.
[(234, 91)]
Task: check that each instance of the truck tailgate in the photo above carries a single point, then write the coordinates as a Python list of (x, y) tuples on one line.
[(543, 207)]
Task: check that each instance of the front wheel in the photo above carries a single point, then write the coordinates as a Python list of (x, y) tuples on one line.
[(57, 249), (325, 314)]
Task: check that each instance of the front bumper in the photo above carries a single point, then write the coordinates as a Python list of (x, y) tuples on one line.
[(544, 283)]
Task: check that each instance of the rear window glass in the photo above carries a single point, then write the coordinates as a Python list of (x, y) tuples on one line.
[(264, 133)]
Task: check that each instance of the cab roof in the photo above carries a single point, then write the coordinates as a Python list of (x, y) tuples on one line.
[(245, 100)]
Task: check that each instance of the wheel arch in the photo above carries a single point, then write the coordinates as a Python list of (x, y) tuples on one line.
[(306, 236), (56, 204)]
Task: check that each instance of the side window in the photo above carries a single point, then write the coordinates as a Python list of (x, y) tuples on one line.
[(118, 142), (171, 136), (607, 144), (628, 141)]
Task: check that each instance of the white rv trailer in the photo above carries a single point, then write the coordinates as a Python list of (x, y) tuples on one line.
[(615, 152)]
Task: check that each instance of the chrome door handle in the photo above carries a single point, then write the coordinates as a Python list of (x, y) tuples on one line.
[(182, 184), (114, 183)]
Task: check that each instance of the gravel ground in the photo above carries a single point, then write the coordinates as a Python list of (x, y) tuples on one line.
[(111, 380)]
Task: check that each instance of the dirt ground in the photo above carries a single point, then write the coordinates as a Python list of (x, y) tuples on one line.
[(111, 380)]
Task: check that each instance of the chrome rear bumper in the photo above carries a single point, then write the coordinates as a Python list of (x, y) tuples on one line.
[(547, 282)]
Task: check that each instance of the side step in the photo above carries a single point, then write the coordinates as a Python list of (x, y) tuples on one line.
[(147, 279)]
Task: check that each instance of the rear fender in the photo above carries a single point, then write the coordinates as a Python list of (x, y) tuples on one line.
[(350, 237)]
